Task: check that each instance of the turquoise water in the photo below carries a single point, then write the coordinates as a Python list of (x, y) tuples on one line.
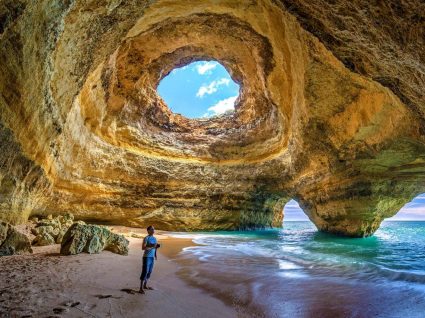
[(299, 272)]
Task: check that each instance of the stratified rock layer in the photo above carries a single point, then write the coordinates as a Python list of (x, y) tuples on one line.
[(331, 112)]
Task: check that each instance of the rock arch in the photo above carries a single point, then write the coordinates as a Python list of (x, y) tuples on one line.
[(340, 126)]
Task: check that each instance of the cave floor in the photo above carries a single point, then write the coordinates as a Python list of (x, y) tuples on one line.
[(46, 284)]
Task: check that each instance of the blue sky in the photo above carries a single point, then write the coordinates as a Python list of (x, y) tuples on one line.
[(200, 89), (414, 210)]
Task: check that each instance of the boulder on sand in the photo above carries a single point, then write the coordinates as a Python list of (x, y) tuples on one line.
[(92, 239), (51, 230), (44, 239), (13, 242)]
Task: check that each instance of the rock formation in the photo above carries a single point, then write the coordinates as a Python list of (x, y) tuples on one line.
[(51, 230), (331, 112), (13, 242), (92, 239)]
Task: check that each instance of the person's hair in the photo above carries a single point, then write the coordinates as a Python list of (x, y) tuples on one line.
[(150, 227)]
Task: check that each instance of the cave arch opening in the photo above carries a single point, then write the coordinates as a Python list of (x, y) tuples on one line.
[(414, 210), (201, 89), (293, 212)]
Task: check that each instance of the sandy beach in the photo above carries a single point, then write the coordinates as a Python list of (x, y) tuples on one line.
[(47, 284), (292, 272)]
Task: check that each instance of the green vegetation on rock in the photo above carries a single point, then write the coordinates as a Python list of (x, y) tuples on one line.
[(92, 239)]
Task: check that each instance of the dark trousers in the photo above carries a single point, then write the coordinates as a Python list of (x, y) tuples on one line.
[(147, 268)]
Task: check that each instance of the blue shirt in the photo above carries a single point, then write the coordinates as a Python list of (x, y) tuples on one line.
[(149, 241)]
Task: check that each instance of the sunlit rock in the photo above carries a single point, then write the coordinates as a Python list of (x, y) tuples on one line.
[(331, 112)]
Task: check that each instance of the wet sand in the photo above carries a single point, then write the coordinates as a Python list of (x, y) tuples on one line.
[(306, 274), (46, 284)]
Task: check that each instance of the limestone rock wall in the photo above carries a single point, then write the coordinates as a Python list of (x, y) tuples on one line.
[(330, 112), (383, 40), (24, 188)]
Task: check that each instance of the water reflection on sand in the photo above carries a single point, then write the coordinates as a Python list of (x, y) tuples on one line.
[(300, 272)]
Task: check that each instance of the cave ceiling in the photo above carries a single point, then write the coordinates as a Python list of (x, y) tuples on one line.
[(331, 112)]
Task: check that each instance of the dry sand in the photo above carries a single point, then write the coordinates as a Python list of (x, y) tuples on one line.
[(46, 284)]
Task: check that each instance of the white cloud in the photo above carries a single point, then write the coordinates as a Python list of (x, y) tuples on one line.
[(212, 87), (416, 210), (206, 67), (179, 69), (221, 107), (292, 203)]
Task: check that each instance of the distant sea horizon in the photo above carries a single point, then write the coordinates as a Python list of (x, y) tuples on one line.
[(386, 220)]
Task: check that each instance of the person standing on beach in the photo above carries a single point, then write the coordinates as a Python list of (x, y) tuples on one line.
[(149, 247)]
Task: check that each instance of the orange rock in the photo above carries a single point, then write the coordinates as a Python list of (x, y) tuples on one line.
[(330, 112)]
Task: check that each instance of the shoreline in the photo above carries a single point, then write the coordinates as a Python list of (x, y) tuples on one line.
[(189, 273), (46, 283), (303, 274), (216, 278)]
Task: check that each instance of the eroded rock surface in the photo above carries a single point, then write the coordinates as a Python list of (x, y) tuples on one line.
[(92, 239), (51, 230), (331, 112), (13, 242)]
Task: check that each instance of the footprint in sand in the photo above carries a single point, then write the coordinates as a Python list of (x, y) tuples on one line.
[(60, 310), (106, 296)]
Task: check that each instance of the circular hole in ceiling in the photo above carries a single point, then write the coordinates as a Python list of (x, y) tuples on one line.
[(201, 89)]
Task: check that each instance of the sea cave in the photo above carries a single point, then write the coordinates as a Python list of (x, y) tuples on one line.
[(330, 112)]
